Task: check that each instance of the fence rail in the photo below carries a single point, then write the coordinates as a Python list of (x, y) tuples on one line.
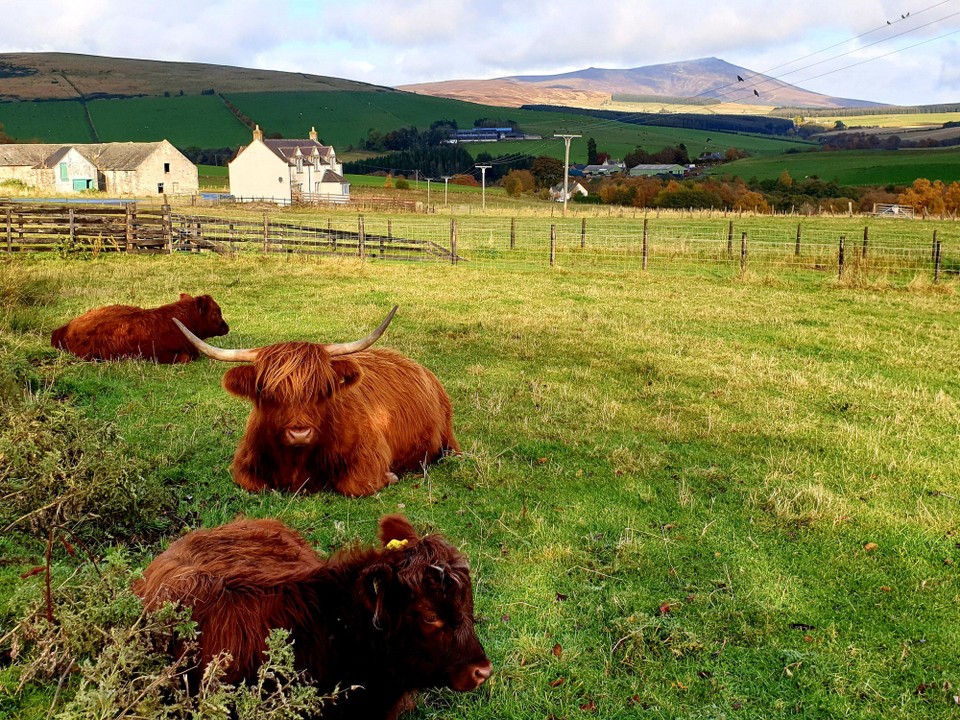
[(836, 246)]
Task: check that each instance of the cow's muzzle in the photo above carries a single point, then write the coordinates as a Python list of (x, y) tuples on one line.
[(298, 436), (472, 676)]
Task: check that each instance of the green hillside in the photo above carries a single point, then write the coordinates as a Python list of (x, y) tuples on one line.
[(855, 167), (343, 119), (57, 121)]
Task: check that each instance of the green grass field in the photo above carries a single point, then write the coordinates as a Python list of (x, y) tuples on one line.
[(200, 120), (56, 121), (684, 494), (855, 167)]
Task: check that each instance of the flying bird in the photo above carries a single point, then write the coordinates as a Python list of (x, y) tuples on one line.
[(739, 79), (756, 93)]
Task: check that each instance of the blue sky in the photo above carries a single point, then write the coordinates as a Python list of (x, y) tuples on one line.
[(912, 60)]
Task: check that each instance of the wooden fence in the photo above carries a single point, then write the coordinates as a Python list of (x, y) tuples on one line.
[(38, 227), (125, 227)]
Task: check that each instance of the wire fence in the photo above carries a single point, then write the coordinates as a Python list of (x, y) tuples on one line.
[(836, 246)]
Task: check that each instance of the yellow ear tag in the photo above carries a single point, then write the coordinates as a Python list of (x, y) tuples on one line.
[(397, 544)]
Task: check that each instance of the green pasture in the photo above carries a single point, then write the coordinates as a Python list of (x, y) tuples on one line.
[(200, 120), (889, 120), (51, 122), (684, 494), (854, 167)]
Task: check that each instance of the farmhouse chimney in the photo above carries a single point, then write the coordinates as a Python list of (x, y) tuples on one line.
[(313, 134), (257, 133)]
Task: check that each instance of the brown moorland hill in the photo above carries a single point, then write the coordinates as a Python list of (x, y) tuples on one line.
[(709, 81), (68, 76)]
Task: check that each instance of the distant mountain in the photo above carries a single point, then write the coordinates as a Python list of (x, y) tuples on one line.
[(68, 76), (704, 81)]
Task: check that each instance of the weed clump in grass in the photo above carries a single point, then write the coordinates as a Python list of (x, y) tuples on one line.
[(110, 658), (61, 469)]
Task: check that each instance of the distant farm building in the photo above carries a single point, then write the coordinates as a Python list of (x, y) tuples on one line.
[(288, 171), (604, 169), (653, 170), (129, 168), (573, 188), (484, 134)]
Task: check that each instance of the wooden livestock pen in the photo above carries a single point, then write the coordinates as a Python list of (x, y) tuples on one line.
[(124, 226)]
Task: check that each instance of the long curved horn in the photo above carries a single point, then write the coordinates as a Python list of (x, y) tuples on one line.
[(239, 355), (362, 344)]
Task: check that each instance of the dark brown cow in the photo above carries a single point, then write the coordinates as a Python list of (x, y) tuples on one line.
[(389, 620), (127, 331), (334, 416)]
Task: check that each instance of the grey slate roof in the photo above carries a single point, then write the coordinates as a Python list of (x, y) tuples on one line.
[(105, 156), (287, 149)]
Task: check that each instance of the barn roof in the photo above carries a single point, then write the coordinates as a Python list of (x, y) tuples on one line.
[(105, 156), (26, 154), (331, 176)]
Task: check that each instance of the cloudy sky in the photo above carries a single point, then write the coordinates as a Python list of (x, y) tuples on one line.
[(861, 49)]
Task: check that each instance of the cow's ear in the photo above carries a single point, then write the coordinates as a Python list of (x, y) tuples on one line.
[(348, 371), (372, 588), (241, 381), (184, 296), (204, 304), (396, 528)]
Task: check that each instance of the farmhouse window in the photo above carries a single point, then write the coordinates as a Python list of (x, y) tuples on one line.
[(159, 188), (166, 167), (63, 171)]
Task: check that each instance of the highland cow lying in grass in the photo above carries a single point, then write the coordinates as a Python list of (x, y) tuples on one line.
[(384, 621), (126, 331), (335, 416)]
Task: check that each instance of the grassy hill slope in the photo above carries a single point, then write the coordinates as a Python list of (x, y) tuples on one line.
[(855, 167), (69, 76)]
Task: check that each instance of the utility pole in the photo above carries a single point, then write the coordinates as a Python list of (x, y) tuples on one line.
[(428, 193), (567, 137), (446, 179), (483, 182)]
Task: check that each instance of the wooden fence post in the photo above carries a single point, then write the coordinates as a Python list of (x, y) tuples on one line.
[(71, 228), (743, 252), (796, 250), (933, 248), (583, 233), (167, 227), (866, 236), (730, 240), (840, 258), (553, 245), (361, 239), (453, 241), (936, 264), (266, 232), (131, 218), (9, 230), (645, 252), (513, 233)]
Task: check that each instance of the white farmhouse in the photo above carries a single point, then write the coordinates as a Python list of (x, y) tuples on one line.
[(122, 168), (288, 171)]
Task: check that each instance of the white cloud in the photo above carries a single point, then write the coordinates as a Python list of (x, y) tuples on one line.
[(386, 42)]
